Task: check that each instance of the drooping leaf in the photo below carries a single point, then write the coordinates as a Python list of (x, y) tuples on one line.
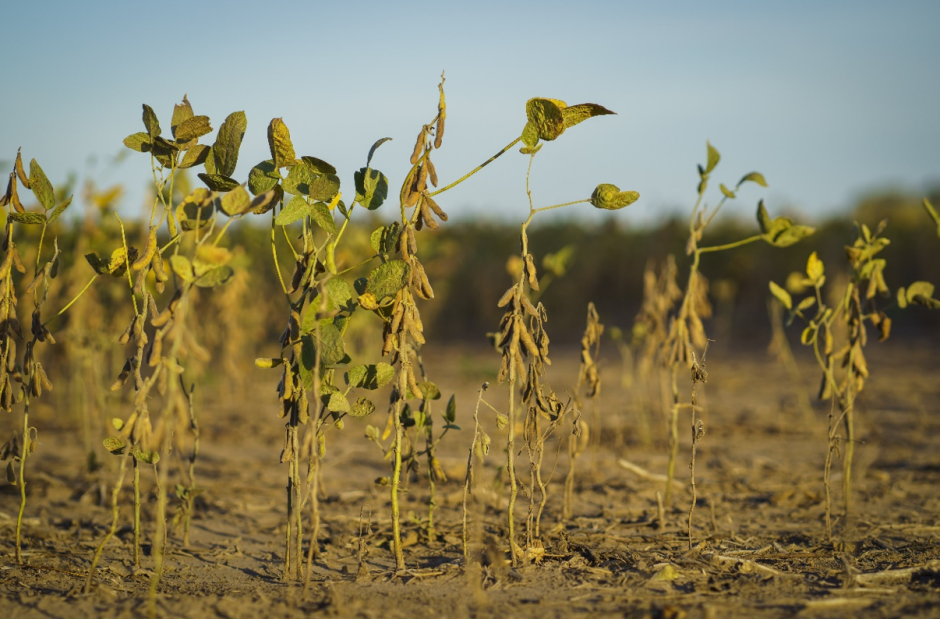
[(372, 150), (763, 218), (295, 210), (578, 113), (227, 143), (609, 197), (115, 445), (782, 295), (530, 135), (40, 186), (263, 177), (282, 150), (267, 200), (546, 115), (387, 279), (371, 188), (193, 128), (727, 192)]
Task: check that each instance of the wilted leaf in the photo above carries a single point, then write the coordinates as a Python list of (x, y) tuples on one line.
[(196, 209), (387, 279), (40, 186), (546, 116), (371, 188), (609, 197), (227, 143), (728, 193), (318, 166), (362, 408), (282, 150), (338, 403), (115, 445), (146, 456)]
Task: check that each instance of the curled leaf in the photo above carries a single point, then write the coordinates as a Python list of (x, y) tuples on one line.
[(609, 197)]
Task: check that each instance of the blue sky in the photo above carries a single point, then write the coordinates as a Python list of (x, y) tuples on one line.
[(827, 99)]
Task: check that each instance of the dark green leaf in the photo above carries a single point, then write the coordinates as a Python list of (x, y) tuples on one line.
[(27, 218), (371, 188), (215, 277), (150, 121), (754, 177), (430, 390), (228, 142), (318, 166), (197, 155), (266, 201), (370, 376), (373, 149), (450, 413), (218, 182), (100, 267), (41, 186)]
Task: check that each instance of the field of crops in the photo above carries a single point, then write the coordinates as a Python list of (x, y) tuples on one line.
[(367, 464)]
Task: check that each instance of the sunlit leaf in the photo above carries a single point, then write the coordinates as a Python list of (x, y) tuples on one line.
[(814, 268), (115, 445), (371, 188), (28, 218), (181, 112), (609, 197), (150, 121), (197, 155), (193, 128), (295, 210), (40, 186), (324, 187), (362, 408), (138, 141), (370, 376), (387, 279), (530, 135), (782, 295), (578, 113), (299, 179), (321, 214), (227, 143), (263, 177), (282, 150), (55, 214), (318, 166), (218, 182), (546, 116), (713, 158)]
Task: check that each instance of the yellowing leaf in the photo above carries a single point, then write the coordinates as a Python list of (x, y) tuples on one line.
[(282, 150), (546, 116), (782, 295), (575, 114), (814, 267)]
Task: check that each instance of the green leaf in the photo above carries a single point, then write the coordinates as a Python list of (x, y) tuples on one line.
[(295, 210), (370, 376), (197, 155), (332, 347), (450, 413), (805, 304), (324, 187), (60, 209), (235, 202), (609, 197), (338, 403), (546, 115), (41, 186), (193, 128), (181, 112), (782, 295), (298, 181), (263, 177), (763, 218), (362, 408), (338, 294), (713, 158), (147, 457), (182, 267), (196, 209), (430, 390), (318, 166), (530, 135), (267, 200), (218, 276), (323, 217), (150, 121), (387, 279), (371, 188), (27, 218), (100, 267), (282, 150), (372, 150), (754, 177), (139, 142), (728, 193), (783, 233), (575, 114), (814, 268), (218, 182), (228, 142)]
